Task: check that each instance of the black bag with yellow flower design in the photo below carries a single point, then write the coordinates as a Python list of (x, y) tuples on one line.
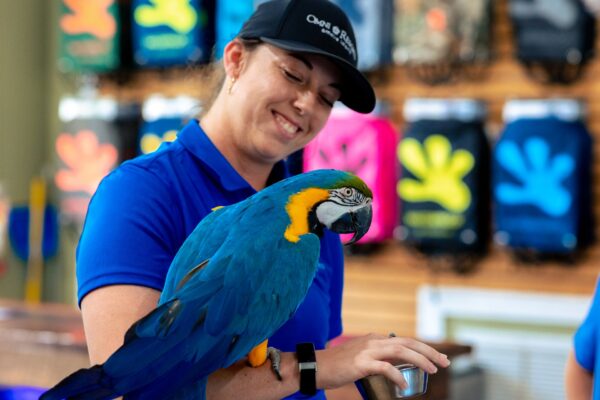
[(443, 189)]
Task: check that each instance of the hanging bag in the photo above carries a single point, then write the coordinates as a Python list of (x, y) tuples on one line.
[(170, 33), (97, 134), (554, 39), (90, 36), (163, 117), (542, 179), (372, 21), (364, 145), (439, 40), (444, 162)]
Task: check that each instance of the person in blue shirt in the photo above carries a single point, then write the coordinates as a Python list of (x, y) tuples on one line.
[(581, 380), (292, 60)]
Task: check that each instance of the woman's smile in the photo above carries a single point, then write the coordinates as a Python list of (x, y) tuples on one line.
[(286, 126)]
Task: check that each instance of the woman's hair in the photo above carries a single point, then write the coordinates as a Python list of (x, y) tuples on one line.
[(211, 77)]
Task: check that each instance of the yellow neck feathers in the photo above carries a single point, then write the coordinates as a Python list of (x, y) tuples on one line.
[(298, 207)]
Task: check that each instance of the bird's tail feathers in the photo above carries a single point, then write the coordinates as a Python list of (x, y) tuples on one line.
[(88, 383)]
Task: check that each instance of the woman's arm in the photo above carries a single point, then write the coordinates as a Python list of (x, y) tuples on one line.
[(337, 366), (109, 311), (578, 380)]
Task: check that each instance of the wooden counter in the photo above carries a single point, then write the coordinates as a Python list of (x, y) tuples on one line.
[(41, 344)]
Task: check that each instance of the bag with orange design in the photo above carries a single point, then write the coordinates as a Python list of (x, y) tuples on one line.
[(90, 36), (96, 135), (438, 41)]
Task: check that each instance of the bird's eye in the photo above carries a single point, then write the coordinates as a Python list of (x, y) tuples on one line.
[(347, 192)]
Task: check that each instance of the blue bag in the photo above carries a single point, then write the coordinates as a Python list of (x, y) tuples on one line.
[(170, 32), (230, 16), (542, 179), (372, 21), (163, 118)]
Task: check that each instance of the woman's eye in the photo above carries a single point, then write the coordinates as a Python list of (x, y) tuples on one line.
[(292, 76), (327, 101)]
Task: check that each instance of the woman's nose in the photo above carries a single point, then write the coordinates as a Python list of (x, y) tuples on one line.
[(305, 102)]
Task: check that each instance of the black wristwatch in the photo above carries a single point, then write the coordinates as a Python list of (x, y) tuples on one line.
[(307, 364)]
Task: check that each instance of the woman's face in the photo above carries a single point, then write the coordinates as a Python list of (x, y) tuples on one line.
[(282, 100)]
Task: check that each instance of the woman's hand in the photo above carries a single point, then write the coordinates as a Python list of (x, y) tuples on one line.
[(374, 354)]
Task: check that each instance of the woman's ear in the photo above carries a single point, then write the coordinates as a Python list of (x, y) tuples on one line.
[(234, 55)]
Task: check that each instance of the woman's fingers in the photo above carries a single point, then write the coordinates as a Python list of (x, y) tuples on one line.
[(391, 353), (424, 349), (375, 354), (389, 371), (407, 350)]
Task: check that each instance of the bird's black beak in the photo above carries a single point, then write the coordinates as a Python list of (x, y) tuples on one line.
[(357, 222)]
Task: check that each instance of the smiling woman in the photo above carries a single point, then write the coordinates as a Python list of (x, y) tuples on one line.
[(292, 60), (291, 94)]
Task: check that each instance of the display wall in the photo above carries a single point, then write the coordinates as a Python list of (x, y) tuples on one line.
[(380, 287), (380, 292)]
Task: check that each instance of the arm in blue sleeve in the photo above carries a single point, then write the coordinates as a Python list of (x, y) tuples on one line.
[(586, 337), (130, 233)]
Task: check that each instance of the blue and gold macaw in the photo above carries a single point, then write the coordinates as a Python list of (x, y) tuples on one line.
[(238, 277)]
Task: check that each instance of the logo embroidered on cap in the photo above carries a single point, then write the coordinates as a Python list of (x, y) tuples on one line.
[(337, 34)]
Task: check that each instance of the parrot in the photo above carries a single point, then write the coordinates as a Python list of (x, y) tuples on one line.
[(237, 278)]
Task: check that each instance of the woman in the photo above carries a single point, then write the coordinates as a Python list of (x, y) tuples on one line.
[(581, 379), (291, 61)]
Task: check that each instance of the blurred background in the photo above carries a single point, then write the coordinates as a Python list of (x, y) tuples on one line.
[(481, 153)]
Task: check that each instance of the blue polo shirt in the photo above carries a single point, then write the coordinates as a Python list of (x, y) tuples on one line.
[(144, 210), (587, 342)]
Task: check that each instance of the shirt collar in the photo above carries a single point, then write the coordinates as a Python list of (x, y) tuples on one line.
[(195, 140)]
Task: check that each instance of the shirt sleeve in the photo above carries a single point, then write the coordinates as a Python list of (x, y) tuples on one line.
[(586, 336), (130, 233)]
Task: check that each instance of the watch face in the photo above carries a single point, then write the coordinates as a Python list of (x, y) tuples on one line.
[(307, 365)]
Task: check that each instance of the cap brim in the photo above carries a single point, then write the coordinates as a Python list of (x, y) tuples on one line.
[(357, 92)]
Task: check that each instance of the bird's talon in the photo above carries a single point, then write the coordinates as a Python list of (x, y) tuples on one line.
[(275, 357)]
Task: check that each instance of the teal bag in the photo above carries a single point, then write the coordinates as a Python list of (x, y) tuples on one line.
[(89, 36)]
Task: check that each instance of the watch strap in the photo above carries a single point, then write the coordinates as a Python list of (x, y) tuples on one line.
[(307, 365)]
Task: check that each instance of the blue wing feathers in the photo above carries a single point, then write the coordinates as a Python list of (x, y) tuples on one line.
[(91, 381)]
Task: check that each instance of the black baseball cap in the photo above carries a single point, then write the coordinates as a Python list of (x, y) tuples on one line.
[(317, 27)]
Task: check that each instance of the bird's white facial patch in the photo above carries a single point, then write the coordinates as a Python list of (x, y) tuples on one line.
[(330, 211)]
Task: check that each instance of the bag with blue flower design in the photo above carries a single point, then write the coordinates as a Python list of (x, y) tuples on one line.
[(542, 179)]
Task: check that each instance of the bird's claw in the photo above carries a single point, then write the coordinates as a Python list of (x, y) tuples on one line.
[(275, 357)]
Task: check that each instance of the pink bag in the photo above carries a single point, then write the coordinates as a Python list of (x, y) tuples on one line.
[(366, 146)]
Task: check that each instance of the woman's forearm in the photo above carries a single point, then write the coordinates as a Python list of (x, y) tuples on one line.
[(336, 366), (578, 381), (243, 381)]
